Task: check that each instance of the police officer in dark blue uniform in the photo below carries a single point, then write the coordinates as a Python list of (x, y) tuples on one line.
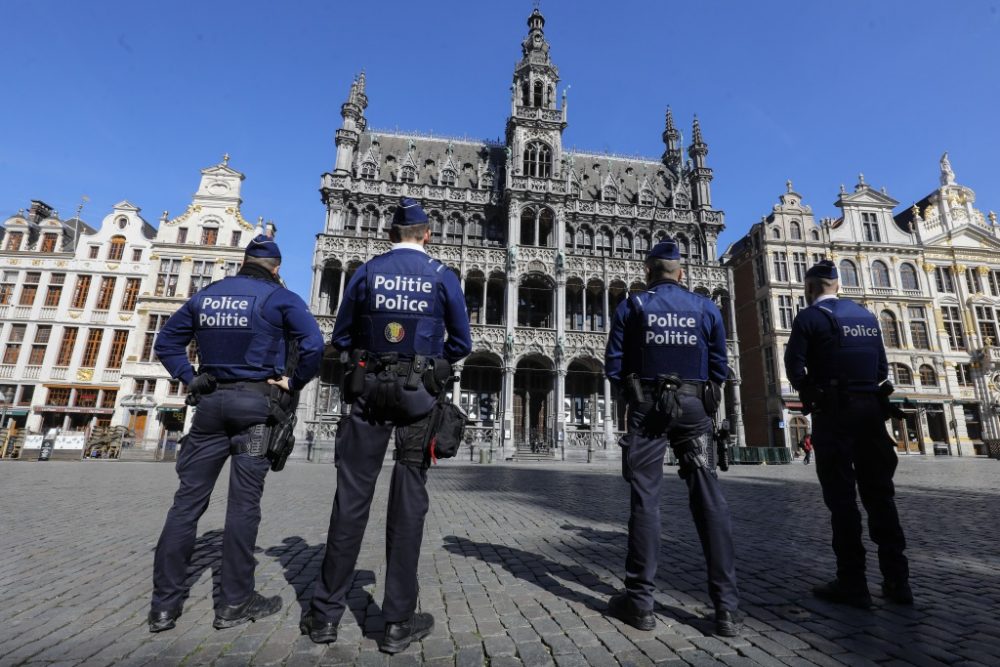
[(242, 325), (392, 323), (835, 359), (666, 355)]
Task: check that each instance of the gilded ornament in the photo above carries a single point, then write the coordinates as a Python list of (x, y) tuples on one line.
[(85, 374)]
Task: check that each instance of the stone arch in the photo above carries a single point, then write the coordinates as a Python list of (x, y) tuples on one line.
[(583, 405), (534, 412), (481, 386)]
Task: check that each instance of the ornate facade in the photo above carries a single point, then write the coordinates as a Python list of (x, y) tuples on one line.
[(68, 295), (546, 241), (203, 244), (932, 276)]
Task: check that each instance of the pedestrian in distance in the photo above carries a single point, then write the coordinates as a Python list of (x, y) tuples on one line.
[(245, 326), (836, 360), (391, 330), (666, 355), (807, 447)]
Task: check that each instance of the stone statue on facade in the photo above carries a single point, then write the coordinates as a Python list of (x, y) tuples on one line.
[(947, 175), (509, 345)]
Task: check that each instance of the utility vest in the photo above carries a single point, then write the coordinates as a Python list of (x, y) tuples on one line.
[(402, 312), (852, 363), (670, 338), (235, 341)]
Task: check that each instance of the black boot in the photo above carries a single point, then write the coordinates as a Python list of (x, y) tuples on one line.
[(855, 595), (621, 607), (160, 621), (727, 623), (257, 607), (898, 592), (321, 632), (400, 635)]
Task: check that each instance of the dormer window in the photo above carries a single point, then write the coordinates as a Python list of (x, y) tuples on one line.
[(869, 224), (795, 231), (368, 171), (234, 241), (122, 222), (49, 242), (14, 240), (448, 177), (182, 235), (538, 160), (539, 94), (93, 251), (646, 198), (609, 193), (116, 249), (209, 235), (408, 174)]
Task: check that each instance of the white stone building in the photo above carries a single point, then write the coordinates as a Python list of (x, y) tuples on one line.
[(203, 244), (546, 242), (931, 274), (68, 295)]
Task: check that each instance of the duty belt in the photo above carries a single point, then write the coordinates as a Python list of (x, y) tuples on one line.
[(259, 386), (688, 388)]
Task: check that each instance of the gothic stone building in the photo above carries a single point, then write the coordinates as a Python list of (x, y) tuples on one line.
[(546, 242), (931, 274)]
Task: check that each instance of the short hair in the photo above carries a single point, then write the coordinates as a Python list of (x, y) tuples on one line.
[(827, 284), (409, 232), (269, 263), (662, 268)]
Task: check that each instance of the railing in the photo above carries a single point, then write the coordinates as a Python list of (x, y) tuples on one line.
[(851, 290), (99, 316), (47, 313), (58, 373), (7, 371), (32, 372), (758, 455), (111, 375), (882, 291), (479, 438), (22, 312)]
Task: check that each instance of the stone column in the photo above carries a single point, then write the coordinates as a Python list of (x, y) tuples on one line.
[(609, 426), (560, 420), (507, 432)]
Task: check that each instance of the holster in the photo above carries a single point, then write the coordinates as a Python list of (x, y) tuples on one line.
[(691, 456), (722, 445), (280, 438), (436, 376), (202, 385), (354, 375), (665, 398), (711, 397), (415, 375)]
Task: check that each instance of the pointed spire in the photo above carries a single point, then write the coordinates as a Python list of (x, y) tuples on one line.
[(696, 132), (670, 120)]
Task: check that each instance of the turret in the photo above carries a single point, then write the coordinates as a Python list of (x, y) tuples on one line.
[(352, 112), (701, 175)]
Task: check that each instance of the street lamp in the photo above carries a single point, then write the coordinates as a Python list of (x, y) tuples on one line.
[(3, 420)]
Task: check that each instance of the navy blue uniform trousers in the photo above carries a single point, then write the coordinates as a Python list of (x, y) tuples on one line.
[(642, 467), (359, 453), (221, 422), (854, 453)]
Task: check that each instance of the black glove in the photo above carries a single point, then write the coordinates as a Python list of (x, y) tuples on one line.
[(884, 391), (812, 398), (203, 383)]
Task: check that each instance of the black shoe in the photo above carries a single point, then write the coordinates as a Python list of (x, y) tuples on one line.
[(321, 632), (400, 635), (898, 592), (621, 607), (256, 608), (160, 621), (853, 595), (727, 623)]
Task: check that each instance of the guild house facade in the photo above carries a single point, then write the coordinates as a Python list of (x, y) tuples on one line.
[(546, 242), (931, 274)]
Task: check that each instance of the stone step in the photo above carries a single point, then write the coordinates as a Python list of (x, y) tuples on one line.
[(137, 454)]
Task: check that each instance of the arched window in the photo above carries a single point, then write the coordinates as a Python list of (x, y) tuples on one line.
[(408, 174), (525, 95), (646, 198), (795, 231), (528, 216), (209, 234), (474, 230), (900, 374), (437, 226), (928, 378), (455, 229), (682, 245), (369, 221), (609, 193), (539, 93), (775, 232), (694, 252), (368, 171), (814, 235), (448, 177), (908, 277), (570, 237), (603, 241), (117, 248), (546, 227), (538, 160), (880, 274), (351, 221), (585, 241), (848, 273), (890, 330), (642, 244), (623, 244)]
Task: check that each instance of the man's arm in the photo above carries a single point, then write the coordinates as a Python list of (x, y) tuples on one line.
[(343, 329), (614, 353), (795, 353), (718, 364), (302, 327), (456, 320), (172, 341)]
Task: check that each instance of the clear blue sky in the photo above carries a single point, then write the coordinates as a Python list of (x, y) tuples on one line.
[(128, 100)]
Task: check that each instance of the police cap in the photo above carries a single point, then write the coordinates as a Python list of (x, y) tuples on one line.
[(665, 249), (409, 212), (824, 269), (263, 246)]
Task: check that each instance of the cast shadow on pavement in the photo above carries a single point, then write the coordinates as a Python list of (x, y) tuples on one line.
[(537, 570), (207, 554), (302, 562)]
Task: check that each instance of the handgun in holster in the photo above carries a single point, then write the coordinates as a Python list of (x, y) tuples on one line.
[(722, 445), (633, 385), (437, 376), (415, 375), (354, 376)]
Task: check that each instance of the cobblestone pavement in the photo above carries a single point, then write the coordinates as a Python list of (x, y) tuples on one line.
[(516, 567)]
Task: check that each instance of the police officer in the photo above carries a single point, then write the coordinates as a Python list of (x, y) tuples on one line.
[(242, 325), (835, 359), (666, 355), (392, 323)]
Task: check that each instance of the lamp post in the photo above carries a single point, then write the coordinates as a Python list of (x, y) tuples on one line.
[(3, 424)]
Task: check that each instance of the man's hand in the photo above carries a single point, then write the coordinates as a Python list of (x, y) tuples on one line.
[(283, 383)]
